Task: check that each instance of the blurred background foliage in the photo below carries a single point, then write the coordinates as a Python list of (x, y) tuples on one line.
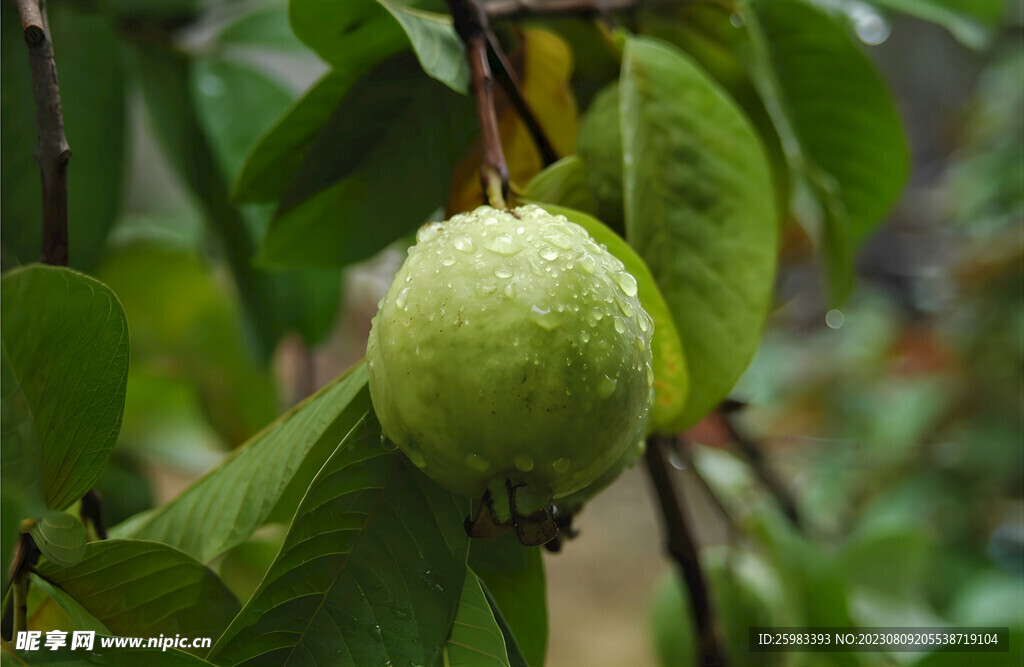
[(895, 421)]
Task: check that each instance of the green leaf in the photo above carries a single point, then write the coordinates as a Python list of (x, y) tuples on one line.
[(514, 577), (115, 655), (60, 537), (21, 469), (66, 340), (475, 639), (600, 148), (671, 377), (371, 571), (391, 148), (700, 210), (225, 506), (235, 104), (515, 655), (145, 588), (439, 50), (81, 618), (264, 28), (564, 183), (91, 76), (356, 30), (973, 22), (852, 156), (164, 79), (272, 160)]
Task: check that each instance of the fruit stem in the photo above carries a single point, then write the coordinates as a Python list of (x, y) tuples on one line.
[(471, 25)]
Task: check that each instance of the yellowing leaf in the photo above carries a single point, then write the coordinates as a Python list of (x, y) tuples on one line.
[(544, 63)]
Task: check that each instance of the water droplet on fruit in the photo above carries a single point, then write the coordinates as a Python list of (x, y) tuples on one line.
[(627, 283), (427, 232), (503, 271), (560, 465), (510, 290), (588, 263), (477, 462), (605, 386), (620, 326), (560, 240), (626, 309), (503, 245), (463, 244), (402, 298), (524, 463), (650, 376), (549, 254), (585, 336), (543, 317), (448, 261)]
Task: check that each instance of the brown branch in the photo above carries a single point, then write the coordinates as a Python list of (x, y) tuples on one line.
[(52, 150), (683, 548), (91, 512), (509, 81), (751, 451), (471, 25)]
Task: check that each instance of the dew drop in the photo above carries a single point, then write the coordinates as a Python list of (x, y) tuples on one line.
[(520, 230), (560, 240), (650, 376), (549, 254), (644, 325), (620, 326), (585, 336), (503, 245), (524, 463), (627, 283), (448, 261), (503, 271), (605, 386), (640, 344), (402, 298), (463, 244), (387, 444), (588, 263), (543, 318), (626, 309), (477, 462), (429, 231), (560, 465), (510, 290)]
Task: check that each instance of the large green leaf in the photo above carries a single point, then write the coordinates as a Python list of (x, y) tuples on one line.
[(370, 573), (836, 120), (600, 147), (76, 613), (93, 104), (117, 653), (564, 183), (700, 211), (475, 639), (341, 32), (514, 577), (439, 50), (377, 170), (973, 22), (272, 160), (235, 104), (137, 588), (66, 340), (225, 506)]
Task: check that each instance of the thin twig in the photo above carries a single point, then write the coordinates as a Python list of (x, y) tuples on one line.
[(509, 81), (471, 25), (683, 548), (751, 451), (91, 512), (52, 150)]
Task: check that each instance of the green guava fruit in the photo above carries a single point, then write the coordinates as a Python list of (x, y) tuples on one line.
[(511, 352)]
